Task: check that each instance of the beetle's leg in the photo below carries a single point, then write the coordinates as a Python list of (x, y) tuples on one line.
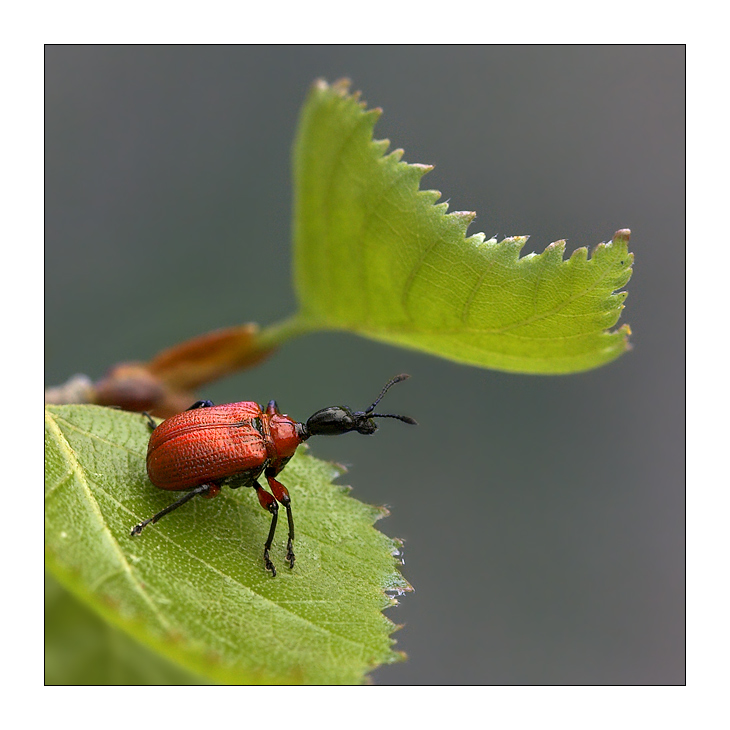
[(214, 490), (268, 503), (201, 404), (202, 489), (282, 495), (272, 409), (150, 422)]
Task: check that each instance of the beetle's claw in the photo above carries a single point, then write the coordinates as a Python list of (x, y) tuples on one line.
[(268, 564), (137, 529), (290, 554)]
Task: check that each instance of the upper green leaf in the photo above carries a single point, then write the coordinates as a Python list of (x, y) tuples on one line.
[(193, 586), (374, 254)]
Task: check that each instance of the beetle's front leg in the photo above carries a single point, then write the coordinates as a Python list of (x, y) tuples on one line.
[(268, 503), (282, 495)]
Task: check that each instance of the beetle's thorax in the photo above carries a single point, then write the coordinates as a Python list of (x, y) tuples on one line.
[(284, 437)]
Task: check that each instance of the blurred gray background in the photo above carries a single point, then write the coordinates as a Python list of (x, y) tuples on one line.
[(543, 516)]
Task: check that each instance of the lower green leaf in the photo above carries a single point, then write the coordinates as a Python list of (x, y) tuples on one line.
[(193, 586), (83, 649)]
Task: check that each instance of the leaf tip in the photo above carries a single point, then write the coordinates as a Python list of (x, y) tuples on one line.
[(580, 254), (622, 235), (381, 145), (512, 245), (341, 86), (398, 554), (625, 330), (420, 167), (372, 115), (466, 216), (556, 248)]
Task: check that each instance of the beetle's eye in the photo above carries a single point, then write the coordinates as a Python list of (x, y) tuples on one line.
[(366, 426)]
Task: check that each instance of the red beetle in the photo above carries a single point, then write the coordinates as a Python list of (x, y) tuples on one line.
[(209, 446)]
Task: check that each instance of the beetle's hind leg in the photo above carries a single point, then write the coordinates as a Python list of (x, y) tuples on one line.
[(268, 503), (282, 495), (207, 490)]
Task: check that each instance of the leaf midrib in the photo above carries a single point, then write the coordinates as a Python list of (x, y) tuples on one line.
[(75, 468)]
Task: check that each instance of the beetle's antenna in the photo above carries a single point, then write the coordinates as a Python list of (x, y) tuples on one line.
[(396, 379), (405, 419)]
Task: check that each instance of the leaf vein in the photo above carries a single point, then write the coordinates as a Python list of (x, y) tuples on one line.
[(61, 482), (474, 290), (410, 279)]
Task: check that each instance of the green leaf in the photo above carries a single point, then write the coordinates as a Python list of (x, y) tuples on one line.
[(81, 648), (193, 586), (377, 256)]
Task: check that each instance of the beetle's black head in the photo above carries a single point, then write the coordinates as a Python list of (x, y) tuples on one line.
[(335, 420)]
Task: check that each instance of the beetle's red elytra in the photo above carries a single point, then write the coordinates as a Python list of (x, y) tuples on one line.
[(208, 446)]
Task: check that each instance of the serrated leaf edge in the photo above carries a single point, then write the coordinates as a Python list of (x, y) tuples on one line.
[(462, 220)]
